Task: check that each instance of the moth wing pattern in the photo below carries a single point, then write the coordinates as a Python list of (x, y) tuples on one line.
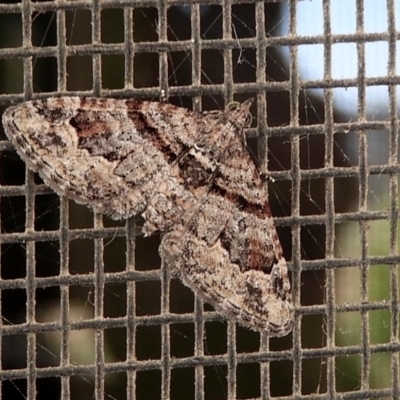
[(189, 175), (259, 301), (236, 262), (104, 153)]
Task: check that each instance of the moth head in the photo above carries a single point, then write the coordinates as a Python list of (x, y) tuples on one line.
[(240, 112)]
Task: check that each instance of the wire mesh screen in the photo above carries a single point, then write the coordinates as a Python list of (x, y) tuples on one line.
[(88, 310)]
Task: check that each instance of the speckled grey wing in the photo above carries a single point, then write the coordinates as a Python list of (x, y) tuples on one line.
[(235, 263), (108, 154), (191, 176), (257, 298), (227, 249)]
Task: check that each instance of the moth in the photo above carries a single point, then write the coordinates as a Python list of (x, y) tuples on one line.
[(187, 173)]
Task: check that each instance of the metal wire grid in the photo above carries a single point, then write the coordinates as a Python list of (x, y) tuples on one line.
[(294, 353)]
